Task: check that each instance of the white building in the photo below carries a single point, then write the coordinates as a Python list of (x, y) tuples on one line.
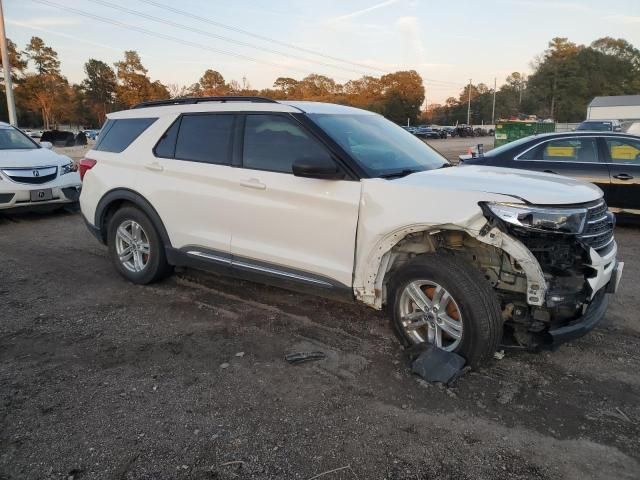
[(620, 107)]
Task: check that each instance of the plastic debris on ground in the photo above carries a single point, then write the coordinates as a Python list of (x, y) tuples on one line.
[(302, 357), (436, 365)]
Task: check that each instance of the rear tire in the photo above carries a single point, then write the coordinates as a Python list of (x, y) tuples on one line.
[(456, 303), (135, 247)]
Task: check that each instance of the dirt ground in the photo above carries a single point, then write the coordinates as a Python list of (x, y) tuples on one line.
[(102, 379)]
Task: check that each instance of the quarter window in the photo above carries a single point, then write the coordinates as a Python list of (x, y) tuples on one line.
[(205, 138), (118, 134), (166, 147), (274, 142), (623, 150), (564, 150)]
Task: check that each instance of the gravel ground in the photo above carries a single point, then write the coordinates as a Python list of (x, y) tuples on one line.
[(102, 379)]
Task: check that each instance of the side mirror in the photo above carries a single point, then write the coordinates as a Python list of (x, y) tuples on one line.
[(617, 129), (47, 145), (317, 167)]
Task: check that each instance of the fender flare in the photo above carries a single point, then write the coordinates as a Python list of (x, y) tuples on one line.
[(124, 194)]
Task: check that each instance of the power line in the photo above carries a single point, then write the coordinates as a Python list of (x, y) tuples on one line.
[(220, 37), (278, 42), (165, 37), (259, 37)]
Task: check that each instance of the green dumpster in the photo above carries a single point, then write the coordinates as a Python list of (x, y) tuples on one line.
[(509, 131)]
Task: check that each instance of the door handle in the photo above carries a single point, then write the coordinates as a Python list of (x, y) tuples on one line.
[(550, 171), (154, 166), (623, 176), (253, 183)]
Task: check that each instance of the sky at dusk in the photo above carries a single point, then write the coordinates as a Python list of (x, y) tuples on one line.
[(446, 42)]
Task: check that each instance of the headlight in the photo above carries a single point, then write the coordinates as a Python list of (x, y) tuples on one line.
[(68, 168), (558, 220)]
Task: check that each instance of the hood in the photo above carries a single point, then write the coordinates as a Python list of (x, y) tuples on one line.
[(532, 187), (39, 157)]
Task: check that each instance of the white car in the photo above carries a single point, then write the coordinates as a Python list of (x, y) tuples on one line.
[(341, 202), (31, 175)]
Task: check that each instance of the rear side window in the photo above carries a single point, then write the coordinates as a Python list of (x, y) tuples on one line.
[(205, 138), (564, 150), (117, 135)]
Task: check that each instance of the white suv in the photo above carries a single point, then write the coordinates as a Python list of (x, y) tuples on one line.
[(341, 202)]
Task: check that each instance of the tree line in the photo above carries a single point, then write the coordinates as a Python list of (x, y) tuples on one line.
[(563, 81), (45, 97)]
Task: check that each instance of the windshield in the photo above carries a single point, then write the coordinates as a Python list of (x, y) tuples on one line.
[(597, 126), (381, 147), (508, 146), (13, 139)]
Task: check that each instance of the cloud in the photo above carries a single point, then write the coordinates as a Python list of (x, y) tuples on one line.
[(61, 34), (410, 31), (50, 22), (626, 19), (357, 13)]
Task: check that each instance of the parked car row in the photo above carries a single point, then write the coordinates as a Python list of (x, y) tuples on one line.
[(424, 131)]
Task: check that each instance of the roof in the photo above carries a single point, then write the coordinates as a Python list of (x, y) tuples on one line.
[(237, 105), (321, 107), (616, 101)]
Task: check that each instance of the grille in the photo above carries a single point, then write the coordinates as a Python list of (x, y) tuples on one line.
[(598, 230), (32, 176)]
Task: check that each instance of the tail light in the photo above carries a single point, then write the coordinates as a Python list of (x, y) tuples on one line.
[(86, 164)]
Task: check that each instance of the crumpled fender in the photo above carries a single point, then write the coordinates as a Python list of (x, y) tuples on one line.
[(371, 276)]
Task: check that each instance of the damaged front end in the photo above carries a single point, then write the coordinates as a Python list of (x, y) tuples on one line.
[(575, 252)]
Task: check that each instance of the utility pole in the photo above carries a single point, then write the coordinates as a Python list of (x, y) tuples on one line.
[(521, 85), (8, 84), (493, 110), (469, 105)]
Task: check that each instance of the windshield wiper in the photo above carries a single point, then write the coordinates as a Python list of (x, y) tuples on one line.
[(445, 165), (399, 174)]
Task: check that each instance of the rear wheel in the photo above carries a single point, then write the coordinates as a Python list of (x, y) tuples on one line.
[(442, 300), (135, 247)]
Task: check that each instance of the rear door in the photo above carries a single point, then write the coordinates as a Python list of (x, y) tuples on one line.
[(576, 157), (284, 225), (190, 179), (623, 158)]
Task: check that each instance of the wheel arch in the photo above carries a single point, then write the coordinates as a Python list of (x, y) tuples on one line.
[(115, 199), (399, 247)]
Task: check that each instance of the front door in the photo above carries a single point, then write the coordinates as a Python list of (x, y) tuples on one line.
[(624, 168), (288, 226)]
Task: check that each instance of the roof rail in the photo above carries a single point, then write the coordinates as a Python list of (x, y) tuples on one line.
[(193, 100)]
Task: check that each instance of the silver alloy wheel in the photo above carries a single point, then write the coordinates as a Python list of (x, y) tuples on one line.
[(428, 313), (132, 246)]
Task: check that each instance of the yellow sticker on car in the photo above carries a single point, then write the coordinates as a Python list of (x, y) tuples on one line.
[(564, 151), (624, 152)]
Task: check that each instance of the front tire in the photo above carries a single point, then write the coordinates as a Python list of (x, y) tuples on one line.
[(442, 300), (135, 247)]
